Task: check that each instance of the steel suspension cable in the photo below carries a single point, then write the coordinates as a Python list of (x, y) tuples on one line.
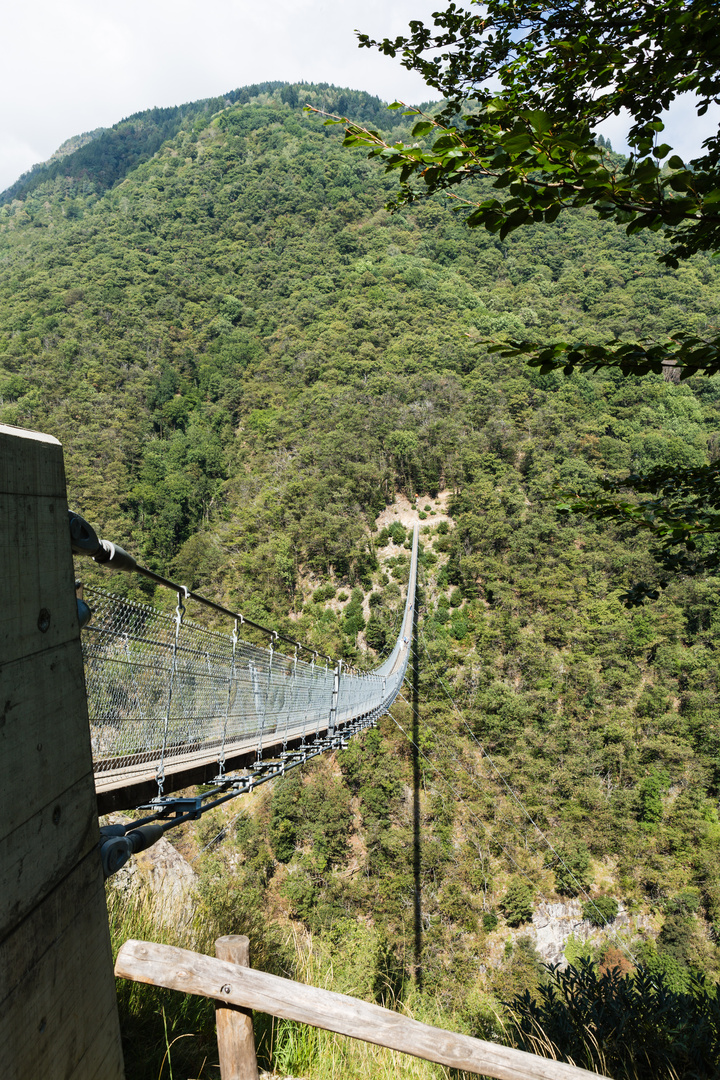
[(581, 889), (448, 785)]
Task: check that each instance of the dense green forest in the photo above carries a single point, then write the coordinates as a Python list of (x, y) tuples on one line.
[(247, 358)]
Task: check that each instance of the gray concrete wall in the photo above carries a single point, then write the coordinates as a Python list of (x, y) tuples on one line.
[(58, 1011)]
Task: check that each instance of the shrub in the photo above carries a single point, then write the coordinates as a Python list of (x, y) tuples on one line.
[(522, 972), (610, 957), (687, 902), (353, 619), (397, 533), (677, 937), (300, 891), (650, 792), (284, 815), (577, 950), (325, 592), (517, 904), (600, 911), (455, 905), (572, 870), (375, 634), (585, 1016)]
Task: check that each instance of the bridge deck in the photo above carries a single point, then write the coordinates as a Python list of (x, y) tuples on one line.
[(128, 779), (127, 789), (124, 787)]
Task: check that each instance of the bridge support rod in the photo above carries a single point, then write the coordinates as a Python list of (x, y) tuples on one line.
[(332, 720)]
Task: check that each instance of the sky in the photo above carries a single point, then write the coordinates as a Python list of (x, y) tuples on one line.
[(75, 65), (70, 66)]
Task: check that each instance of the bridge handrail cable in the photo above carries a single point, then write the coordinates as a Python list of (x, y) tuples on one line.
[(164, 689)]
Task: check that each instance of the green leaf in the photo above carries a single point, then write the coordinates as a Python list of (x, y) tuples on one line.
[(445, 142), (516, 143), (540, 121)]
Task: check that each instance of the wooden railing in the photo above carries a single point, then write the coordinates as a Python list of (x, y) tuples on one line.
[(237, 989)]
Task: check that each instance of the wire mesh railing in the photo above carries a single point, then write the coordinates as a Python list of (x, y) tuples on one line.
[(164, 690)]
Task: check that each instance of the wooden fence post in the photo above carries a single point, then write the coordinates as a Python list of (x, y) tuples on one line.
[(236, 1041)]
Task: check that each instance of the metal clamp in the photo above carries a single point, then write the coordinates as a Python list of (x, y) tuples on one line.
[(117, 846)]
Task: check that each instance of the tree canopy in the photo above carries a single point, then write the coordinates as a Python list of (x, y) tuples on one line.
[(513, 143), (525, 85)]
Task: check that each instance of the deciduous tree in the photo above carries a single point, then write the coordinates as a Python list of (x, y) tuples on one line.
[(524, 86)]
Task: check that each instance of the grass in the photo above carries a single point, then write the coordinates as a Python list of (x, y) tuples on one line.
[(166, 1036), (171, 1036)]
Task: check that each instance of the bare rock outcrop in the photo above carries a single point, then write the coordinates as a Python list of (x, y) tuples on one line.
[(553, 924)]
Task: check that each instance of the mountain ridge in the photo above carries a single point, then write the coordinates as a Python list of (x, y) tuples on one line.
[(247, 358), (143, 133)]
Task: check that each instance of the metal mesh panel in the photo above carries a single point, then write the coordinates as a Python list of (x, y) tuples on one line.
[(162, 688)]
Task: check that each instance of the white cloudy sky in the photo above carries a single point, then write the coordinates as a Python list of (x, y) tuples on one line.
[(73, 65)]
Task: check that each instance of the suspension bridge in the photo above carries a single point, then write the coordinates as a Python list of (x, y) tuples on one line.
[(172, 703)]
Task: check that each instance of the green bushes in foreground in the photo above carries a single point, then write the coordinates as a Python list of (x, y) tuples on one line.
[(633, 1028)]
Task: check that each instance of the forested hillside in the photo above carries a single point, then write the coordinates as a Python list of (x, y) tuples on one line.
[(246, 359)]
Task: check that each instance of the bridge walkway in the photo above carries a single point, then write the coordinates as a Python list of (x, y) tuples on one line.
[(173, 703)]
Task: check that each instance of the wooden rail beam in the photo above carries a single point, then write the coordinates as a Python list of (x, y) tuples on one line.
[(193, 973)]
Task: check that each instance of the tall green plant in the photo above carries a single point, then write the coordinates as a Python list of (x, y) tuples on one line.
[(633, 1028)]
